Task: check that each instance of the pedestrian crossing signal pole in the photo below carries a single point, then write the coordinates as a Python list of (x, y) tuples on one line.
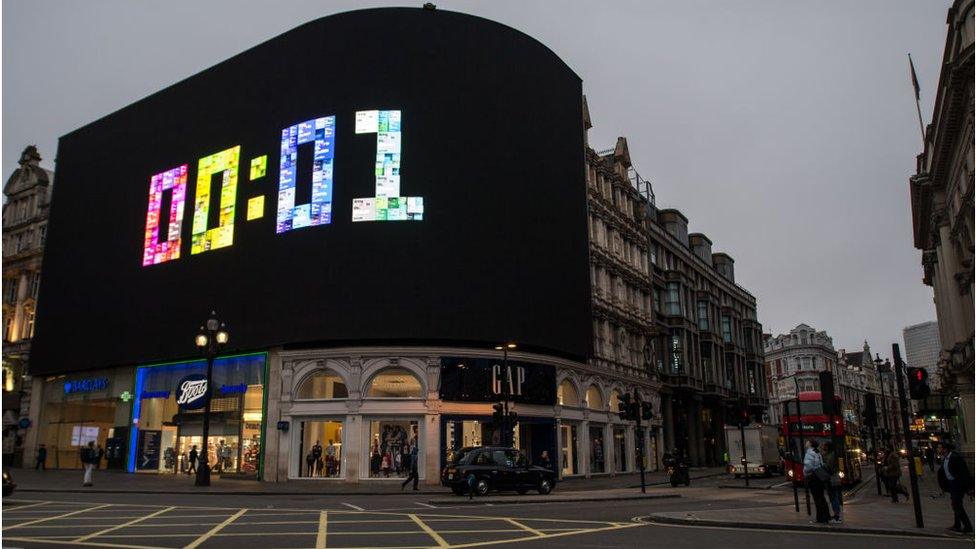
[(903, 402)]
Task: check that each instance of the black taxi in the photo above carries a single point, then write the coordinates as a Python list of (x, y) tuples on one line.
[(486, 468)]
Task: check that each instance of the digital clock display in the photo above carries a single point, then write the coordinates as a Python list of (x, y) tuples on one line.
[(333, 186)]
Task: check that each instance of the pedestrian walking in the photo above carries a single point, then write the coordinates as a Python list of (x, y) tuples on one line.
[(88, 456), (955, 478), (41, 458), (309, 464), (816, 478), (893, 475), (834, 485), (414, 474), (193, 461), (930, 457), (99, 454)]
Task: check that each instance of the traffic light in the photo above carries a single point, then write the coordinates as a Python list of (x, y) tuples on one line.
[(918, 383), (745, 418), (498, 415), (647, 411), (624, 407)]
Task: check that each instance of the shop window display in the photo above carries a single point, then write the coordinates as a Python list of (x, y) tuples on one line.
[(597, 450), (320, 450), (166, 436), (568, 458), (389, 447), (620, 450)]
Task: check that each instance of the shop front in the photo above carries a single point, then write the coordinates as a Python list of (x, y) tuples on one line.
[(165, 432), (529, 387), (81, 408)]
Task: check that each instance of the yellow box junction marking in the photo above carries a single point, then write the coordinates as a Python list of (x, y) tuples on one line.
[(123, 525), (430, 531), (216, 529), (323, 530), (38, 521)]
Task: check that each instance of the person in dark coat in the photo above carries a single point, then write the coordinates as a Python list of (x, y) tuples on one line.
[(414, 474), (955, 478), (892, 471), (41, 458), (192, 468)]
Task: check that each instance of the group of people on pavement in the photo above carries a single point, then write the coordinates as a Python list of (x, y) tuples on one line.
[(822, 477)]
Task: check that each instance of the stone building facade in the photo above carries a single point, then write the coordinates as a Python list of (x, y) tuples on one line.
[(708, 340), (942, 213), (794, 361), (623, 315), (28, 195)]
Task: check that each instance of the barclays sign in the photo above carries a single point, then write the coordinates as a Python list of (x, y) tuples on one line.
[(85, 385)]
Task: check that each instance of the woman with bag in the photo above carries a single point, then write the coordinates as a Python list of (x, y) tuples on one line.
[(834, 486), (817, 478), (893, 475)]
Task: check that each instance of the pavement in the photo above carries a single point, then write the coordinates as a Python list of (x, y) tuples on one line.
[(113, 481), (864, 512)]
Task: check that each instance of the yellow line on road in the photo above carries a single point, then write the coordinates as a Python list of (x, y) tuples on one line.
[(323, 530), (543, 536), (38, 521), (216, 529), (22, 507), (89, 543), (430, 531), (526, 528), (123, 525)]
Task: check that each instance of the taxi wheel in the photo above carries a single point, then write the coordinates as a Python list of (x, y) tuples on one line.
[(481, 487), (545, 486)]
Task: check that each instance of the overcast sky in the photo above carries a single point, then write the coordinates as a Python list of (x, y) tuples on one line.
[(785, 131)]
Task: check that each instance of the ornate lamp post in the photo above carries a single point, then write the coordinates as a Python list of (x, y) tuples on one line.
[(885, 367), (505, 422), (211, 338)]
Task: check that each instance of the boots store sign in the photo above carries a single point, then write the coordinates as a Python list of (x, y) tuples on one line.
[(487, 380), (192, 392)]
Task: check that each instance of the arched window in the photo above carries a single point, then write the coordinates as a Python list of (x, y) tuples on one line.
[(615, 401), (394, 383), (593, 399), (322, 385), (566, 394)]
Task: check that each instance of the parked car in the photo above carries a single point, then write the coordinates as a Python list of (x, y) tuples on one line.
[(8, 483), (495, 468)]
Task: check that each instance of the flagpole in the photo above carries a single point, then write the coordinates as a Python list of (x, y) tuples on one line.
[(918, 106)]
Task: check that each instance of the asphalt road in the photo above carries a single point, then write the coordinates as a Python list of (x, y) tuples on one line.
[(170, 521)]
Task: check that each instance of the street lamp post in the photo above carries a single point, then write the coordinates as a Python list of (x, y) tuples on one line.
[(884, 400), (506, 438), (211, 338)]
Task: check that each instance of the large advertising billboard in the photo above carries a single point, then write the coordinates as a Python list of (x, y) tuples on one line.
[(391, 176)]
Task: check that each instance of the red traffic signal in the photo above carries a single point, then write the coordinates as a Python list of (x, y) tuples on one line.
[(918, 386)]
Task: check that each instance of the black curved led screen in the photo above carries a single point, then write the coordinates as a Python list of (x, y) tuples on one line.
[(394, 176)]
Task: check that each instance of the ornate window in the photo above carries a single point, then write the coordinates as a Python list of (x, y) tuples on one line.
[(394, 383), (594, 400), (322, 385), (566, 394)]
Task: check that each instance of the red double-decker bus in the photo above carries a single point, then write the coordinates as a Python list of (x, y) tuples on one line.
[(816, 425)]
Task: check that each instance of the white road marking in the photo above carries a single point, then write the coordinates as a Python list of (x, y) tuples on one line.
[(351, 506), (427, 505)]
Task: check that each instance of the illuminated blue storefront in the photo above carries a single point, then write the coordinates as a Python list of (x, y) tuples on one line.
[(162, 435)]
